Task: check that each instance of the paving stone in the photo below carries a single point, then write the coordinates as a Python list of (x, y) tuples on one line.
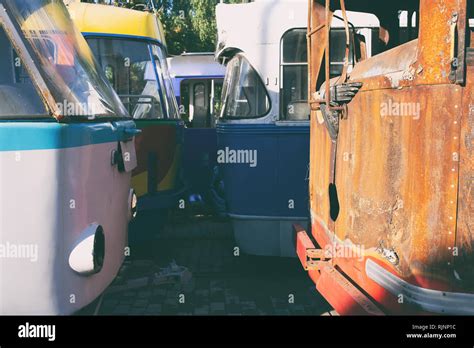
[(110, 302), (202, 293), (233, 308), (171, 301), (121, 310), (144, 294), (248, 305), (217, 295), (218, 308), (154, 308), (246, 311), (233, 286), (281, 311), (159, 292), (204, 310), (127, 301), (296, 308), (140, 303), (136, 311)]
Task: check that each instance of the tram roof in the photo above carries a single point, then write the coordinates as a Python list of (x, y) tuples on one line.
[(263, 22), (113, 20), (195, 65)]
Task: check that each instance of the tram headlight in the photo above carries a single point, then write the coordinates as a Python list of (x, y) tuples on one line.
[(87, 255)]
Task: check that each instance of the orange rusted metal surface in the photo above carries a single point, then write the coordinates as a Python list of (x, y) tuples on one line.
[(345, 298), (402, 165), (465, 227), (339, 291)]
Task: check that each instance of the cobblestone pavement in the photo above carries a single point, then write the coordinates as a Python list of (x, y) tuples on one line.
[(218, 282)]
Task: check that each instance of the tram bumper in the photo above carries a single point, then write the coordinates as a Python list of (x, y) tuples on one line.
[(341, 294)]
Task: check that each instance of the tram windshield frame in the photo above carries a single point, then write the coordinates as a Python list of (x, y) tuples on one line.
[(55, 57), (138, 72), (243, 81)]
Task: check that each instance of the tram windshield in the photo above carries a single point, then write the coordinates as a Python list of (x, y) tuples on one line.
[(244, 95), (70, 80), (18, 95), (139, 74)]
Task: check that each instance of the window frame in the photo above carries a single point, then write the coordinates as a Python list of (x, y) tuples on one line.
[(281, 112), (224, 103)]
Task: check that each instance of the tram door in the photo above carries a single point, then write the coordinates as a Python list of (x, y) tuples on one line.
[(201, 98)]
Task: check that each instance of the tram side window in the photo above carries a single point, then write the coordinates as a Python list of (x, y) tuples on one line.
[(408, 26), (338, 52), (200, 108), (184, 100), (470, 16), (18, 96), (244, 94), (294, 76), (397, 30)]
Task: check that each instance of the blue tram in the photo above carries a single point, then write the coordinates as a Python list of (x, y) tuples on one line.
[(263, 131)]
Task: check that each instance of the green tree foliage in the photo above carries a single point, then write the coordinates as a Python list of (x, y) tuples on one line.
[(190, 25)]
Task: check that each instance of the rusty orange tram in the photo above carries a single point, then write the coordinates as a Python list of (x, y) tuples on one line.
[(392, 161)]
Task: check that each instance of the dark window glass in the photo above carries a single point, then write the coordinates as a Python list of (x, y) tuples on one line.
[(294, 91), (338, 51), (295, 47), (206, 101), (200, 112)]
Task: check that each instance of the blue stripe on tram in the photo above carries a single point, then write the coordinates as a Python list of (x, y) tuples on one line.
[(21, 136)]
